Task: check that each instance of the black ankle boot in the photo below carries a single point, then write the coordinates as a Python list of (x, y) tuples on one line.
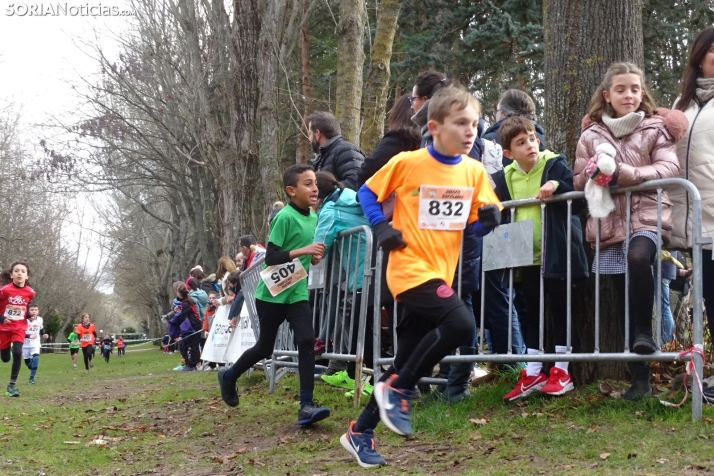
[(644, 344), (457, 387), (640, 382)]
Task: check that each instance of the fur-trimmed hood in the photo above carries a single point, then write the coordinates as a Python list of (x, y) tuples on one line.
[(674, 120)]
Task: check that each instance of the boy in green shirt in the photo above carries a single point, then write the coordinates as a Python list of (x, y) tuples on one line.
[(282, 292), (536, 174), (73, 339)]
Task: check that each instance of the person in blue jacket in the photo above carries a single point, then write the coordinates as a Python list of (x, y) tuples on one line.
[(338, 211)]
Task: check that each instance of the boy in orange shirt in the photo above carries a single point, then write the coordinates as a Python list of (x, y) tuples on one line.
[(439, 192)]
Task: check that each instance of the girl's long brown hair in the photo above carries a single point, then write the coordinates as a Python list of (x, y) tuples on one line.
[(692, 72), (598, 105), (6, 276)]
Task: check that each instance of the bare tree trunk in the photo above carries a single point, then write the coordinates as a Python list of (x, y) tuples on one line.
[(375, 90), (350, 61), (582, 39), (306, 90)]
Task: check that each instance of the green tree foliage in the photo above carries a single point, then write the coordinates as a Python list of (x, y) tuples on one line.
[(129, 330), (53, 324), (488, 46), (669, 28)]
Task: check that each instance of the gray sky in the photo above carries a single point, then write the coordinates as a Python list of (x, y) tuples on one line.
[(39, 54)]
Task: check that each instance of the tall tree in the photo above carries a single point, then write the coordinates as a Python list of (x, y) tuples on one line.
[(582, 39), (377, 83), (350, 65)]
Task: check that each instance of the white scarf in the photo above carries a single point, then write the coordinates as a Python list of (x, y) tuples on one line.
[(622, 126)]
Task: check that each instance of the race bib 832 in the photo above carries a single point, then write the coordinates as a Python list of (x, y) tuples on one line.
[(444, 208)]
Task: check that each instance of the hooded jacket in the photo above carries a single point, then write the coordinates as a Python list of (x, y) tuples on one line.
[(696, 162), (646, 153), (200, 297), (555, 260), (492, 134), (341, 211), (341, 158)]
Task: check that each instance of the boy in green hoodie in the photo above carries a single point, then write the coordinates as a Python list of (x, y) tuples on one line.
[(73, 339), (536, 174)]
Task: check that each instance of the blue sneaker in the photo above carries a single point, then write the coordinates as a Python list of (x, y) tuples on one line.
[(361, 446), (312, 413), (394, 405)]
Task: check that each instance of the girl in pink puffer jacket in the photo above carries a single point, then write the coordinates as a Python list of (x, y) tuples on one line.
[(623, 114)]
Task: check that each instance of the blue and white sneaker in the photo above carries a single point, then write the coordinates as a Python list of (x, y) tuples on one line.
[(394, 406), (312, 413), (361, 446)]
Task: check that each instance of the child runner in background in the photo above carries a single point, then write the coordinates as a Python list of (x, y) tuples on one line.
[(438, 195), (622, 113), (15, 295), (73, 339), (107, 346), (541, 175), (33, 340), (120, 346), (87, 335), (290, 244)]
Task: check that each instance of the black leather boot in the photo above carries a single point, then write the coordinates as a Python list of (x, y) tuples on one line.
[(457, 387), (641, 387)]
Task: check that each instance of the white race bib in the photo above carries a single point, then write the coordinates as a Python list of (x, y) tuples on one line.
[(444, 208), (281, 277), (87, 338), (14, 313)]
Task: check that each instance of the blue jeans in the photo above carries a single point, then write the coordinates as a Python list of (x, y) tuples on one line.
[(667, 318), (496, 316)]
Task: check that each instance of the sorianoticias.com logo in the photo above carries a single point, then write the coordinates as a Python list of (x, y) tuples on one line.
[(65, 10)]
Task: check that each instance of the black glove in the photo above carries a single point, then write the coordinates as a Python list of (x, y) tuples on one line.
[(389, 238), (489, 216)]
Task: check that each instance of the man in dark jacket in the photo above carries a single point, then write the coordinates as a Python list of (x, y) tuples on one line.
[(335, 155)]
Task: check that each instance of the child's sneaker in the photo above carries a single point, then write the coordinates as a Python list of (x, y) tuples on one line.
[(229, 394), (525, 386), (361, 446), (180, 367), (74, 367), (394, 405), (559, 382), (339, 379), (367, 390), (91, 365), (312, 413), (12, 391), (32, 380)]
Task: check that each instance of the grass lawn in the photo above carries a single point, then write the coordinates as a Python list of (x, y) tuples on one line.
[(136, 416)]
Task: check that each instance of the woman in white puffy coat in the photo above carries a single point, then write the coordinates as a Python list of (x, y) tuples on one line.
[(696, 156)]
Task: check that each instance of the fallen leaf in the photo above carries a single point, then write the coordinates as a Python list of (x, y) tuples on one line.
[(592, 429), (604, 455), (71, 442), (704, 437), (631, 455), (524, 414), (476, 435), (479, 421), (98, 442), (569, 466), (662, 460), (237, 453)]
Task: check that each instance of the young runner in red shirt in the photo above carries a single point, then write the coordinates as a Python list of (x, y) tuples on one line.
[(15, 295)]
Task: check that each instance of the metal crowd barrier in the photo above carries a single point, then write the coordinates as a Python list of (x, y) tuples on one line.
[(698, 241), (334, 292)]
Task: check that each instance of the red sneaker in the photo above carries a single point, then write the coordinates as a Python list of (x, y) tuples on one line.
[(559, 382), (525, 386)]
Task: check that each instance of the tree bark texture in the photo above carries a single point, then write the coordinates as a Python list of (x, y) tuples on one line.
[(375, 91), (350, 63), (306, 89), (581, 40)]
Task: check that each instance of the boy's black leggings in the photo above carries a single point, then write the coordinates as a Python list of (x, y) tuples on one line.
[(435, 322), (271, 315), (88, 353), (556, 289), (190, 350), (15, 351)]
